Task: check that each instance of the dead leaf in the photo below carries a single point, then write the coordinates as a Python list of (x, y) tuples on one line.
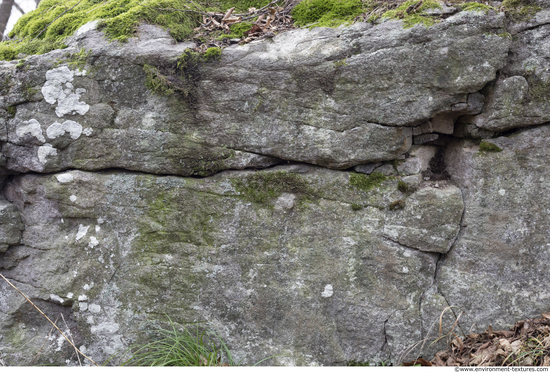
[(228, 13), (546, 315), (420, 361)]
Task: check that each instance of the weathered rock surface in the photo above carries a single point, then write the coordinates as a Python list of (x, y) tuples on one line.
[(521, 95), (10, 225), (302, 273), (104, 224), (331, 97), (506, 229)]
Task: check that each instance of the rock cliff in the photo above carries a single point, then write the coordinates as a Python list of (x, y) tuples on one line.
[(322, 195)]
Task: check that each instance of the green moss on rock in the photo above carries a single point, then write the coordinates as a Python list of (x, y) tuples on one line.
[(264, 187), (212, 54), (156, 82), (489, 147), (327, 13), (11, 111), (366, 182), (476, 7), (412, 12), (520, 10), (402, 186)]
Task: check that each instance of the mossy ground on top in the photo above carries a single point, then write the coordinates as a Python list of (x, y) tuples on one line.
[(327, 13), (45, 28), (412, 12)]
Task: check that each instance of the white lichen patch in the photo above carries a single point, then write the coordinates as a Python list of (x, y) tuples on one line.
[(31, 127), (93, 242), (65, 178), (56, 298), (94, 308), (58, 129), (327, 292), (83, 306), (58, 88), (88, 131), (72, 198), (82, 230), (82, 298), (44, 151), (502, 192)]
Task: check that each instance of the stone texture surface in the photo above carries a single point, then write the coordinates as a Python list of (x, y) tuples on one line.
[(122, 205), (132, 244), (498, 269), (521, 96), (429, 221), (10, 225), (329, 97)]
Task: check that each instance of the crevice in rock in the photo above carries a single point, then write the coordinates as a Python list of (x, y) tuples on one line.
[(441, 260), (531, 27), (386, 336)]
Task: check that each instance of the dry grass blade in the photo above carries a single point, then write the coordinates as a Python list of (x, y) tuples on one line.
[(47, 318), (72, 340), (44, 344)]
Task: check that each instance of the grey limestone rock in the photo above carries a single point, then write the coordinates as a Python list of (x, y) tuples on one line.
[(521, 96), (429, 221), (498, 268), (331, 97), (10, 225), (123, 204), (300, 273)]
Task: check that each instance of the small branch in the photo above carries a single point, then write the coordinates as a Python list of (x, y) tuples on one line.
[(48, 25), (18, 7), (47, 318)]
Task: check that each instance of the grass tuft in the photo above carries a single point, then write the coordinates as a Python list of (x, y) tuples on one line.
[(180, 345)]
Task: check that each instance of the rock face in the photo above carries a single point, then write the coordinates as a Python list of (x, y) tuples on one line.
[(234, 203)]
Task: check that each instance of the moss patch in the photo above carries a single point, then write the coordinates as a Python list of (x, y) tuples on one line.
[(264, 187), (180, 76), (366, 182), (520, 10), (402, 186), (489, 147), (12, 110), (237, 31), (327, 13), (356, 207), (412, 12), (45, 28), (397, 205), (156, 82), (476, 7)]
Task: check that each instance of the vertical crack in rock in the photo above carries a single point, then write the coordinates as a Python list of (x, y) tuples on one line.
[(386, 335), (457, 238)]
